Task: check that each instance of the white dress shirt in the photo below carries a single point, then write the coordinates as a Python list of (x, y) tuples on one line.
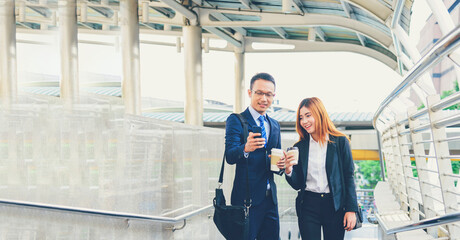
[(255, 115), (316, 173)]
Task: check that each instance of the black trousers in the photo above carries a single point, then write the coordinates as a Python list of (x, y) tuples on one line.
[(264, 221), (316, 211)]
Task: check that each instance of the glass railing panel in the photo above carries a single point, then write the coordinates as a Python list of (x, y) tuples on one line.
[(95, 157)]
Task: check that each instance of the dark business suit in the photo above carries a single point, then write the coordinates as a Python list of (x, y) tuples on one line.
[(264, 209), (329, 210)]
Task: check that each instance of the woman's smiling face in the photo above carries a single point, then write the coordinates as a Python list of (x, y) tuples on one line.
[(307, 121)]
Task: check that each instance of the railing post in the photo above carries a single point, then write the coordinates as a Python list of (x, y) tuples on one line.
[(391, 162), (443, 162), (407, 171), (382, 165), (420, 163), (388, 153), (401, 180)]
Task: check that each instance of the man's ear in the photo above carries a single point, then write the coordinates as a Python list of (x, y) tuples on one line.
[(249, 93)]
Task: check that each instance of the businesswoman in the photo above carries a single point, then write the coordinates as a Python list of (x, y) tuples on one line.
[(327, 196)]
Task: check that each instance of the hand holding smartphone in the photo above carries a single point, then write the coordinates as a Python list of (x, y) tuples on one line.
[(257, 130)]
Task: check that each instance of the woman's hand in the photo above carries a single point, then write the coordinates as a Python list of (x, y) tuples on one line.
[(282, 162), (289, 164), (349, 221)]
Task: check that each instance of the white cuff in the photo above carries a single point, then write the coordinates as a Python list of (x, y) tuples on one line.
[(246, 155)]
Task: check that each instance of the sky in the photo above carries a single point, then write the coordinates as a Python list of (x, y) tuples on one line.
[(344, 81)]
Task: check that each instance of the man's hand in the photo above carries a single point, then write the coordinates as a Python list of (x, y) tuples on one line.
[(254, 143), (349, 221)]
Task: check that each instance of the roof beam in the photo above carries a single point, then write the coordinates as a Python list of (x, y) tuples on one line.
[(298, 5), (221, 17), (248, 4), (308, 46), (280, 31), (349, 12), (224, 36), (311, 19), (376, 8), (182, 10), (398, 7), (320, 34)]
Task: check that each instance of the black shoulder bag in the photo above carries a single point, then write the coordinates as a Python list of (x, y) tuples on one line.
[(232, 221), (359, 214)]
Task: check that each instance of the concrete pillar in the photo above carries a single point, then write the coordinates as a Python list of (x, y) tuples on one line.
[(193, 76), (239, 82), (8, 70), (131, 56), (68, 40)]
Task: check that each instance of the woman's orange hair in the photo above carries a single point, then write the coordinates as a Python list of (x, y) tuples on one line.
[(323, 124)]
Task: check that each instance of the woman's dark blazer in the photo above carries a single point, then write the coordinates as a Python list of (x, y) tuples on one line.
[(344, 195)]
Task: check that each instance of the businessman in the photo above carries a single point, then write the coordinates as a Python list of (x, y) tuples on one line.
[(253, 157)]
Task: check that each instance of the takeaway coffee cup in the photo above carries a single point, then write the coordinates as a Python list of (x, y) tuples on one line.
[(277, 154), (293, 151)]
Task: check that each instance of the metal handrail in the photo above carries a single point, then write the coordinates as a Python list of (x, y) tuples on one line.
[(126, 216), (286, 211), (443, 47), (446, 102), (421, 128), (431, 222), (418, 114)]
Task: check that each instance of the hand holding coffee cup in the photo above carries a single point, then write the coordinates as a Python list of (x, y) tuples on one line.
[(292, 158), (281, 164), (277, 159)]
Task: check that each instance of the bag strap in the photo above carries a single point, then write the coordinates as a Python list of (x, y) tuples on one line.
[(244, 123)]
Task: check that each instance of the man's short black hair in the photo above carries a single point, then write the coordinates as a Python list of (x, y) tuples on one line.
[(264, 76)]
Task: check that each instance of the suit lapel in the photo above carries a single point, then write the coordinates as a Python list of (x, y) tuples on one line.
[(303, 155), (249, 118), (331, 150), (272, 130)]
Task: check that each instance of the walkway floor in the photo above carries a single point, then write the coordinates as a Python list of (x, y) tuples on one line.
[(367, 232)]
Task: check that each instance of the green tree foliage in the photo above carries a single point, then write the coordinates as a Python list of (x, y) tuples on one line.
[(370, 170), (446, 94), (455, 166)]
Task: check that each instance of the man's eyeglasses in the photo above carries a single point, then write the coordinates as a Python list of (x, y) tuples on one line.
[(261, 94)]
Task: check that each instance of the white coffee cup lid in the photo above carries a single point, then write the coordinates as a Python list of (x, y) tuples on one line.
[(277, 151)]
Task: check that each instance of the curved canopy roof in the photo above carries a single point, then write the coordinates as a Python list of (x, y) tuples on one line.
[(360, 26)]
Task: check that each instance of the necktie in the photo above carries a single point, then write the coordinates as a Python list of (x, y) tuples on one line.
[(262, 126), (264, 135)]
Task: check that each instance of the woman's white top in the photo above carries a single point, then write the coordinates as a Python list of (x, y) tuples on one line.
[(316, 173)]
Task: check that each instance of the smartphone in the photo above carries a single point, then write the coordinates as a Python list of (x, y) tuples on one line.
[(257, 130)]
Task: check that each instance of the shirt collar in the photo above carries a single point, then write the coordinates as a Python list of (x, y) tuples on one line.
[(313, 140), (255, 114)]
